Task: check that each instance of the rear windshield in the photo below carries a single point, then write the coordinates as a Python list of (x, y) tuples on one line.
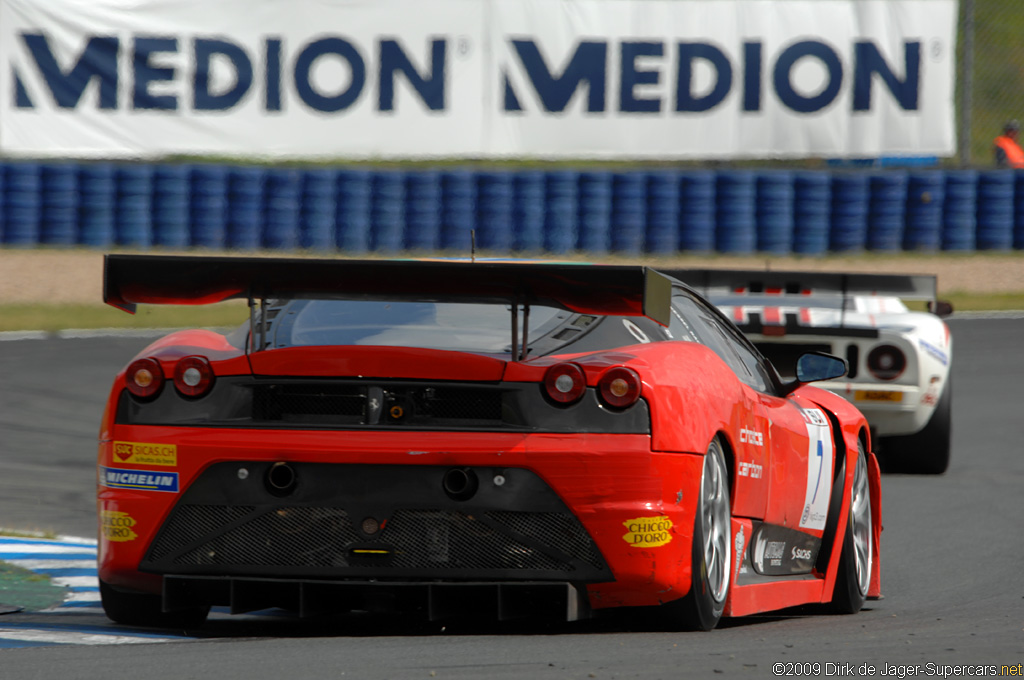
[(460, 327)]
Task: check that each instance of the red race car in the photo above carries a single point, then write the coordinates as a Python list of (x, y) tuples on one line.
[(471, 439)]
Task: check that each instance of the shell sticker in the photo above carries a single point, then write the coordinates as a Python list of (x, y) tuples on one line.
[(117, 526), (648, 532)]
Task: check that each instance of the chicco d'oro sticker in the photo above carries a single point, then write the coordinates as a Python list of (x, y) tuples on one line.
[(648, 532), (117, 526)]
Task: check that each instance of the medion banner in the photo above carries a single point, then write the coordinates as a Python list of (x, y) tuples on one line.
[(554, 79)]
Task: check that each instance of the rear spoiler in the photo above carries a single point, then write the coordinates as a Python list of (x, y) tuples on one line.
[(752, 281), (129, 280)]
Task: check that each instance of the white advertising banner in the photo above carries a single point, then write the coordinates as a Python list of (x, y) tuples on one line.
[(395, 79)]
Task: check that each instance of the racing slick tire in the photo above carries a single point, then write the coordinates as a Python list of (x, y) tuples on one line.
[(144, 609), (926, 452), (857, 558), (711, 562)]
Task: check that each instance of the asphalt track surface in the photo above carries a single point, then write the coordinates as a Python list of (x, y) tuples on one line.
[(952, 569)]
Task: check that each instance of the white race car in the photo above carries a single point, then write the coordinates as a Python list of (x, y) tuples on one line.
[(899, 360)]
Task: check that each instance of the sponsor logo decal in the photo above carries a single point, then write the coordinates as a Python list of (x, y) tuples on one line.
[(117, 526), (752, 437), (741, 562), (934, 351), (752, 470), (139, 479), (138, 453), (648, 532), (819, 470), (781, 551), (799, 554), (878, 395)]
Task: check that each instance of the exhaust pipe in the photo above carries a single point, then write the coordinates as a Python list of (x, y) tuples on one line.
[(460, 484), (281, 479)]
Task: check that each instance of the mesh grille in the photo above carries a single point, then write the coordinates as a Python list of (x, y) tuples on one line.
[(191, 522), (284, 537), (333, 404), (453, 540), (552, 528), (310, 403), (416, 539)]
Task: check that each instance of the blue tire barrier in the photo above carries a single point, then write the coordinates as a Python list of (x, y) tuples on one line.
[(96, 202), (494, 201), (775, 197), (1018, 210), (561, 215), (662, 235), (209, 206), (995, 210), (529, 190), (697, 211), (423, 211), (458, 211), (172, 196), (3, 175), (926, 194), (594, 217), (850, 192), (245, 212), (629, 212), (887, 207), (352, 222), (812, 212), (281, 209), (59, 216), (959, 215), (319, 205), (736, 212), (133, 217), (387, 211), (23, 204)]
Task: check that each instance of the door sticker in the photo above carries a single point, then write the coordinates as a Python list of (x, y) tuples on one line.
[(819, 470)]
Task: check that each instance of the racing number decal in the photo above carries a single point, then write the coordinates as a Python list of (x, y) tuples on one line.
[(819, 467)]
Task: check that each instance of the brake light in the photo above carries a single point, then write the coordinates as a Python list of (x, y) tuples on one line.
[(565, 383), (619, 387), (193, 376), (144, 378), (886, 362)]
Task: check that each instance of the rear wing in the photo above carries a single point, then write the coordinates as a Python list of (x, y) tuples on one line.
[(710, 282), (129, 280)]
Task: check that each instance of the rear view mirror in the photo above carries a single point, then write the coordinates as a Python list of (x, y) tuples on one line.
[(815, 366), (940, 308)]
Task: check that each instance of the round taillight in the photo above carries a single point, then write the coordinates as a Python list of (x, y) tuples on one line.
[(619, 387), (144, 378), (886, 362), (565, 383), (193, 376)]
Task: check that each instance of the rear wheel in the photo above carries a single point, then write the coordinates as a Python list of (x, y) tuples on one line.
[(711, 563), (857, 559), (144, 609), (926, 452)]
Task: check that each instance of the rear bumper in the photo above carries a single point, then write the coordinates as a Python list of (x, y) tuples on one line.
[(599, 515)]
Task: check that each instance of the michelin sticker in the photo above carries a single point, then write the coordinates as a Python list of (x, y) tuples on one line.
[(648, 532), (819, 470), (144, 480)]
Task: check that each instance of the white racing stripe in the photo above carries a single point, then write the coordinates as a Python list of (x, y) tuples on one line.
[(63, 637), (39, 565)]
